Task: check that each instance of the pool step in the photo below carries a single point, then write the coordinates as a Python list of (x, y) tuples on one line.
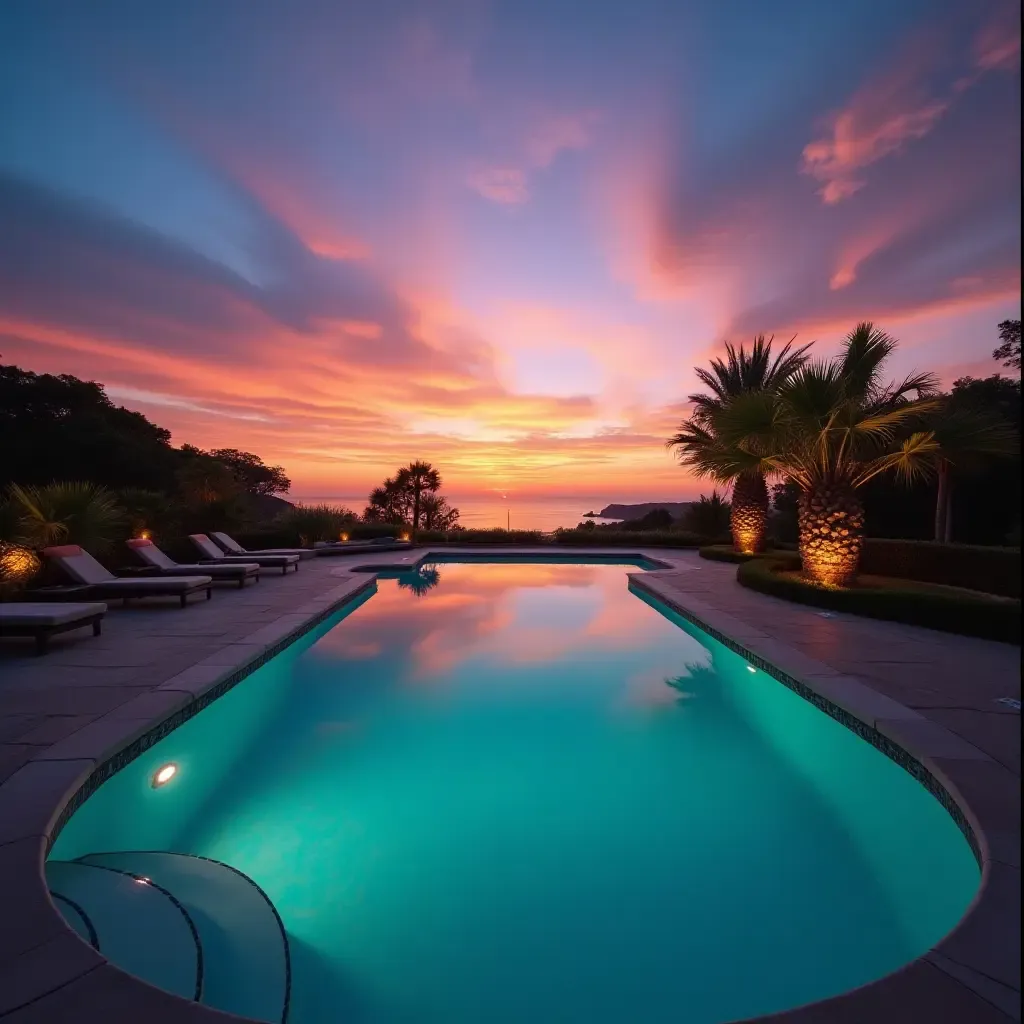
[(132, 922), (243, 949)]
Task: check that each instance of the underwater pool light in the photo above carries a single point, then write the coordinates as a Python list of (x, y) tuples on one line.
[(164, 775), (750, 668)]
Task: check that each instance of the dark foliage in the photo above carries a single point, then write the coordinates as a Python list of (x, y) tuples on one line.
[(63, 428), (994, 618), (624, 538), (988, 569), (254, 476), (1008, 352), (656, 519)]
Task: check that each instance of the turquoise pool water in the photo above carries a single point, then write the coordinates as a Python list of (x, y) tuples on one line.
[(520, 792)]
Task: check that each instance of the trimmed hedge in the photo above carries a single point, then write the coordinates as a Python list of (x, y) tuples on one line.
[(994, 618), (990, 570), (629, 538), (724, 553)]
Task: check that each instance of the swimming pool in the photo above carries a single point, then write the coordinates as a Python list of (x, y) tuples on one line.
[(513, 792)]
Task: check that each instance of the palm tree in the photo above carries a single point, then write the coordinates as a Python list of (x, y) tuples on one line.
[(388, 503), (832, 427), (418, 478), (965, 437), (740, 373)]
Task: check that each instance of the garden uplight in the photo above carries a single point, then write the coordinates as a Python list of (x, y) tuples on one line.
[(343, 536), (17, 564)]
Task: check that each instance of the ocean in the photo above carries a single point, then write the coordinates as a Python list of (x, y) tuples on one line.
[(480, 513)]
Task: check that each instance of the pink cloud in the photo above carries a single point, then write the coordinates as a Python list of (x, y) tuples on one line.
[(880, 120), (506, 185), (887, 115)]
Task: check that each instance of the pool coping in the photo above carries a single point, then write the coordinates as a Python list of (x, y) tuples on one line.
[(65, 774)]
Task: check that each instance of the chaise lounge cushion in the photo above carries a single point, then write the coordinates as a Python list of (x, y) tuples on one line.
[(210, 550), (149, 553), (26, 613), (232, 547), (83, 568)]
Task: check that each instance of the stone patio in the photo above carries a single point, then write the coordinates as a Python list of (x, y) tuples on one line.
[(935, 695)]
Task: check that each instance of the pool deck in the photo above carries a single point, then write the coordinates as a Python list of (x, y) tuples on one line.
[(934, 695)]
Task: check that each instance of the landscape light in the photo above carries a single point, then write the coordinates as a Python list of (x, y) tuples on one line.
[(343, 536), (164, 775), (403, 536), (17, 564), (145, 535)]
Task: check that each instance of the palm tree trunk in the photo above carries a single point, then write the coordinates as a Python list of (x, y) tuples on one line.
[(942, 504), (748, 519), (831, 533), (947, 533)]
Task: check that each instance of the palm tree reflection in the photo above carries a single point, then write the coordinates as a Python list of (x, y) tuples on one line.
[(420, 580)]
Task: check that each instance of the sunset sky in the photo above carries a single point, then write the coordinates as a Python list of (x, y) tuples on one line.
[(496, 234)]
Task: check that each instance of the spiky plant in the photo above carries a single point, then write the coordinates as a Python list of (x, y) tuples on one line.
[(708, 517), (832, 427), (698, 447), (74, 513)]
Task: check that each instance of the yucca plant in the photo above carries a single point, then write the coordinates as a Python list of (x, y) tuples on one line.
[(832, 427), (700, 448), (68, 513)]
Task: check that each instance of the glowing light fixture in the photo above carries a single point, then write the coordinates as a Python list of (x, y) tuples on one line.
[(142, 881), (343, 536), (403, 536), (17, 564), (145, 535), (164, 774), (750, 668)]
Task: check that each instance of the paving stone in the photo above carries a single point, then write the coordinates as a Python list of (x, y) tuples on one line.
[(30, 798), (988, 939), (919, 994), (54, 728), (97, 741), (28, 918), (928, 739), (46, 967)]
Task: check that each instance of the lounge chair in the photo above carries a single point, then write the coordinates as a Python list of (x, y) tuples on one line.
[(232, 547), (163, 565), (212, 553), (41, 620), (99, 582)]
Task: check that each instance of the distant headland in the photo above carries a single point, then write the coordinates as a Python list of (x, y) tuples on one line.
[(627, 512)]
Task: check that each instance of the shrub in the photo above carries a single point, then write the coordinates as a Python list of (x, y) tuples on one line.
[(310, 523), (724, 553), (68, 513), (625, 538), (991, 570), (994, 618), (656, 519)]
